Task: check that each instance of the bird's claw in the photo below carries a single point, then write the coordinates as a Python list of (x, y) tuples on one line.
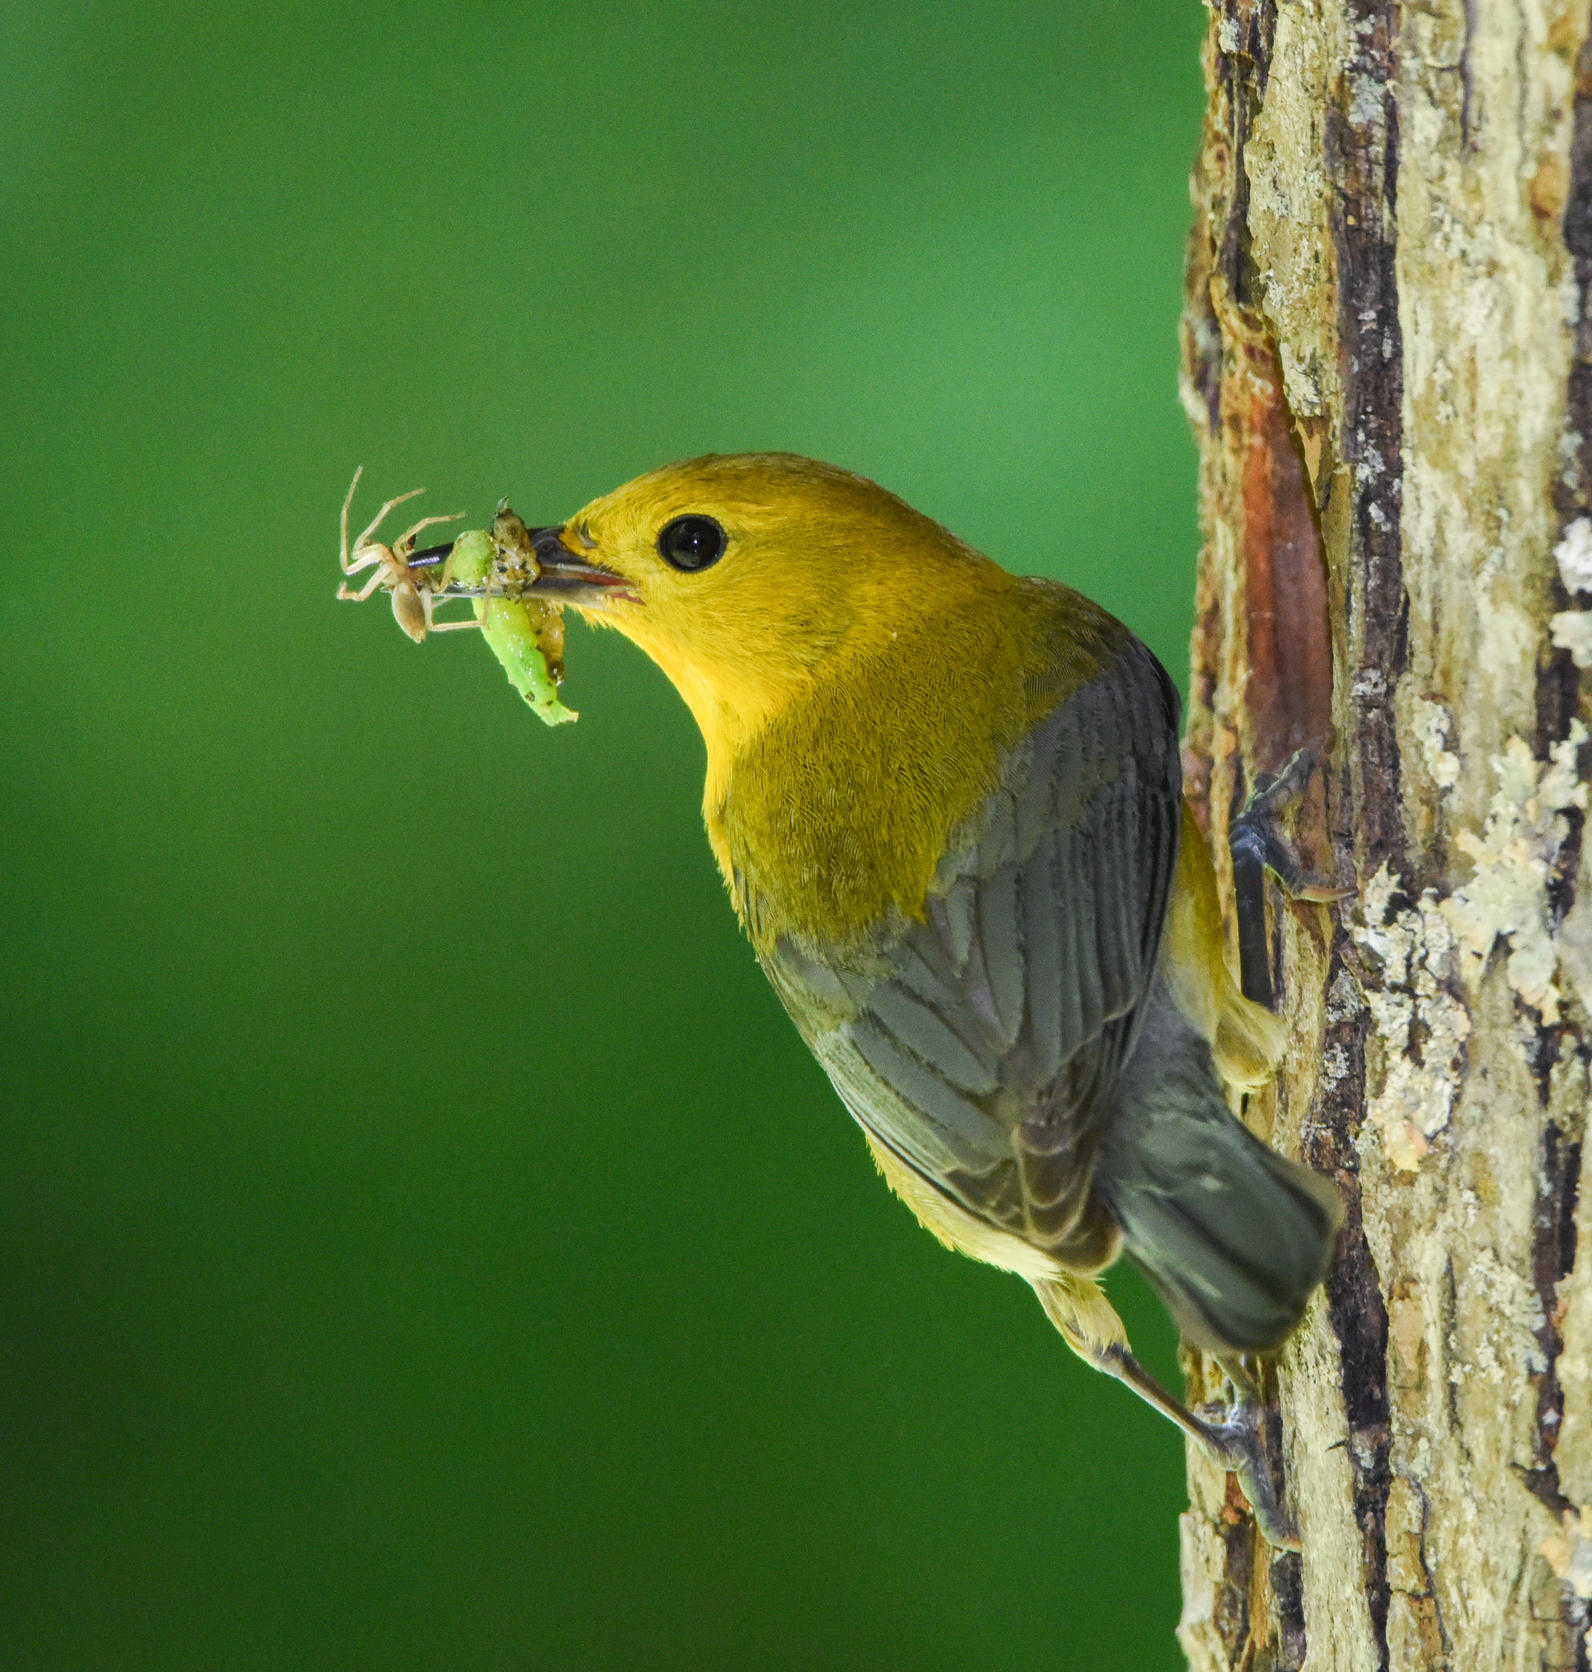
[(1237, 1440), (1257, 843)]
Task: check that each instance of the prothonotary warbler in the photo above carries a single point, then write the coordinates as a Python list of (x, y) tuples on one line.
[(947, 802)]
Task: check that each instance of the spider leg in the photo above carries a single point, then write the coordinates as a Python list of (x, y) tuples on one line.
[(405, 543), (380, 516), (364, 556), (430, 601), (348, 500), (345, 591)]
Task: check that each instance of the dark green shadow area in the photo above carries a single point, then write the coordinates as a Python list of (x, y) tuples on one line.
[(424, 1243)]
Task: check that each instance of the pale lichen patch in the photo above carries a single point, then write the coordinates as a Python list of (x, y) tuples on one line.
[(1496, 1332), (1510, 640), (1345, 1000), (1419, 1026), (1572, 631), (1573, 554), (1575, 933), (1408, 1326), (1569, 1553), (1507, 895), (1569, 1550), (1433, 727)]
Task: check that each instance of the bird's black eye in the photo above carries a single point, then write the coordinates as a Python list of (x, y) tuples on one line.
[(692, 542)]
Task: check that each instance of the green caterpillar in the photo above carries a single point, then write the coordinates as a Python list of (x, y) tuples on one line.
[(526, 634)]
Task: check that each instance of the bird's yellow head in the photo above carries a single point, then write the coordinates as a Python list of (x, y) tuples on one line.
[(745, 576), (858, 673)]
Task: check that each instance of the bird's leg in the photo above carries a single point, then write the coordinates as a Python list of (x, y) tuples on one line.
[(1236, 1442), (1257, 843), (1091, 1327)]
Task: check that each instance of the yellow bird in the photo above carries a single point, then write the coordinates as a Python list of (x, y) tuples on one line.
[(947, 804)]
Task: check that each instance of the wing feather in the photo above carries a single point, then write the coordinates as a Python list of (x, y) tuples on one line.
[(925, 1032), (982, 1045), (1050, 1000), (1005, 956)]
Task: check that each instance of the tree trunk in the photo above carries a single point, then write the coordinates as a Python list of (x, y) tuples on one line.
[(1388, 360)]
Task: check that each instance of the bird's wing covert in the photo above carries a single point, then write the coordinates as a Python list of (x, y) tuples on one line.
[(982, 1044)]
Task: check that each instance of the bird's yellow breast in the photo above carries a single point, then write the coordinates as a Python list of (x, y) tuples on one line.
[(838, 810)]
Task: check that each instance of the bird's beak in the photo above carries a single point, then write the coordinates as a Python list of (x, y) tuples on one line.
[(566, 579), (560, 577)]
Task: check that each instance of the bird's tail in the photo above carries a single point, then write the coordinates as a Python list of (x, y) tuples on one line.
[(1234, 1236)]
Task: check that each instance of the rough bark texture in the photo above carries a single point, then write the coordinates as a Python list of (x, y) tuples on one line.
[(1388, 361)]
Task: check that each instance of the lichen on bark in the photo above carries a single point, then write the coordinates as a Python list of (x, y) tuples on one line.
[(1388, 364)]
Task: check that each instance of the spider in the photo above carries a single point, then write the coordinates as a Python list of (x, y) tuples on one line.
[(413, 584)]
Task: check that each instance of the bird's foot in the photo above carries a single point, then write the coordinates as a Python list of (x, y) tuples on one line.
[(1238, 1438), (1258, 844)]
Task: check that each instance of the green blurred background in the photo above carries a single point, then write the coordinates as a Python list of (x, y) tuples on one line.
[(425, 1242)]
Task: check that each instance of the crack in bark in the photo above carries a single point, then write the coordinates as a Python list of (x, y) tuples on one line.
[(1572, 497), (1449, 1315), (1467, 77), (1364, 219), (1558, 704), (1354, 1299), (1245, 30), (1362, 143), (1552, 1259), (1202, 355), (1233, 258), (1432, 1606), (1231, 1612), (1541, 1050), (1559, 679), (1288, 1602)]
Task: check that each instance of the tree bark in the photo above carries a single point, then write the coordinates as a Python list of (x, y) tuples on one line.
[(1388, 362)]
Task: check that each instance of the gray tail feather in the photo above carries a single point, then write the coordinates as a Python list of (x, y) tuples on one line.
[(1234, 1236)]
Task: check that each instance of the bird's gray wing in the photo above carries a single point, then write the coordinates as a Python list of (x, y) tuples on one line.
[(982, 1045)]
